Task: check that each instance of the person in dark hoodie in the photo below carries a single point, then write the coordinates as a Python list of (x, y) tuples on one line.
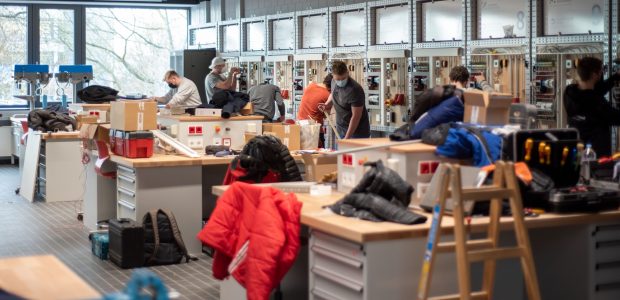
[(586, 107)]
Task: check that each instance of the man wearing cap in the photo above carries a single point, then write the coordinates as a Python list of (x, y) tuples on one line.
[(217, 81), (183, 92)]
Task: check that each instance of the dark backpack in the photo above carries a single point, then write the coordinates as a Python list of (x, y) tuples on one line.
[(163, 244)]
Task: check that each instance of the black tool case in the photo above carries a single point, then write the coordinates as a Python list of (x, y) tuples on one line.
[(588, 199), (126, 243)]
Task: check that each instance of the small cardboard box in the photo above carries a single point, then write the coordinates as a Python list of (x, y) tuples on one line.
[(213, 112), (487, 108), (85, 119), (247, 110), (95, 132), (249, 135), (290, 135), (319, 166), (133, 115)]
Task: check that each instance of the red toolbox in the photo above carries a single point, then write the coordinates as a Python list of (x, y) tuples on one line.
[(138, 144)]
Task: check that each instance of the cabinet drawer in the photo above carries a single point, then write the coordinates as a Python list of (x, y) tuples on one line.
[(334, 286), (607, 232), (125, 210), (126, 171), (349, 268), (607, 272), (606, 251), (608, 291), (333, 244), (126, 182), (126, 195)]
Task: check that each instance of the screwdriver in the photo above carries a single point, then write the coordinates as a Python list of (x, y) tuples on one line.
[(564, 155), (541, 152), (529, 144), (548, 154)]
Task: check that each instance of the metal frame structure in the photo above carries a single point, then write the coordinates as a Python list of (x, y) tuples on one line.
[(534, 37), (245, 51)]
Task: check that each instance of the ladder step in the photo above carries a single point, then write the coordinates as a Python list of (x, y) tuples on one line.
[(481, 295), (486, 193), (471, 245), (495, 254)]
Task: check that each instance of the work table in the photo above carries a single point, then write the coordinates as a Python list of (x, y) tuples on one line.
[(163, 160), (187, 118), (360, 231), (408, 148), (61, 135)]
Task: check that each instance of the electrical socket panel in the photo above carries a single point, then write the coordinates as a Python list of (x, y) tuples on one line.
[(569, 64), (195, 143), (496, 63), (421, 189)]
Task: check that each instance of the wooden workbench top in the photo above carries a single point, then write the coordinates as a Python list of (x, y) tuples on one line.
[(63, 135), (42, 277), (408, 148), (98, 106), (360, 231), (186, 118), (161, 160)]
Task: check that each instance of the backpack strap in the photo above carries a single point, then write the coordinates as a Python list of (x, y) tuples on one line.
[(177, 234), (153, 215)]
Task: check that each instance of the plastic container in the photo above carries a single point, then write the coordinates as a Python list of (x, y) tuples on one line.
[(138, 144), (587, 160)]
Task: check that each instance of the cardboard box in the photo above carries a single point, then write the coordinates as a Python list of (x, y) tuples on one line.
[(290, 135), (95, 132), (133, 115), (319, 166), (247, 110), (84, 119), (249, 135), (213, 112), (487, 108)]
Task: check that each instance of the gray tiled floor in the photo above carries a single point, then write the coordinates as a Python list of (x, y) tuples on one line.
[(52, 228)]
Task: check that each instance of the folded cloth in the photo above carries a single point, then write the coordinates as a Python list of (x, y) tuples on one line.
[(361, 205)]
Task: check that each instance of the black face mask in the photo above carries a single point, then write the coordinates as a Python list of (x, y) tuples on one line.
[(173, 86)]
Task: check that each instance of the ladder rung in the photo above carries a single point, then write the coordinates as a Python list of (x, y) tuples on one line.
[(486, 193), (480, 295), (495, 254), (471, 245)]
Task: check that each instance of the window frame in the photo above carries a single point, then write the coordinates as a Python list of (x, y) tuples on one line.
[(33, 35)]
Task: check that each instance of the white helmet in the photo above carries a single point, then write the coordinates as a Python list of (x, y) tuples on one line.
[(217, 61)]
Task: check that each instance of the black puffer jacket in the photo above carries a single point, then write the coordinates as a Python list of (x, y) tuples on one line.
[(264, 153), (97, 94)]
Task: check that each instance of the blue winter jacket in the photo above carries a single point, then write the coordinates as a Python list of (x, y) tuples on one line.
[(461, 143), (449, 110)]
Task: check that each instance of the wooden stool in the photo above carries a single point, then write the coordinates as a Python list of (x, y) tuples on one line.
[(467, 251)]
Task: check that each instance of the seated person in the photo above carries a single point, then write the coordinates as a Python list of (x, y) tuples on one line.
[(264, 98), (216, 80), (183, 92)]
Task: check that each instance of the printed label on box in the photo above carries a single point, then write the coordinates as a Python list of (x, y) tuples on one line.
[(285, 141), (141, 120), (475, 111)]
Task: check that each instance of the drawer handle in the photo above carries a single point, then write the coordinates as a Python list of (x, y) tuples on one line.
[(126, 192), (336, 278), (324, 295), (607, 265), (126, 204), (335, 256), (125, 169), (606, 244), (125, 178), (613, 286)]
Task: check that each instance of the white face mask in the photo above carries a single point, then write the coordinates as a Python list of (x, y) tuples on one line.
[(342, 83)]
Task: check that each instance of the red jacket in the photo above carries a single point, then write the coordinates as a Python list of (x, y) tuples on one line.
[(268, 221)]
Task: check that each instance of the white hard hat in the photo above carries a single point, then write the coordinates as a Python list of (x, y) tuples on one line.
[(216, 62)]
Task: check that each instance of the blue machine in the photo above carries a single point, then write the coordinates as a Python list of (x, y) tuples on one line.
[(34, 76), (73, 74)]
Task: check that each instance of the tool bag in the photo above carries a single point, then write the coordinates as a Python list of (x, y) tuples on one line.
[(163, 244), (126, 243)]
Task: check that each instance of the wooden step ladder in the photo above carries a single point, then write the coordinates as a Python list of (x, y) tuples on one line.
[(487, 249)]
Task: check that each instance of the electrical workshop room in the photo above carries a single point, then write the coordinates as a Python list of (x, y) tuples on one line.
[(310, 149)]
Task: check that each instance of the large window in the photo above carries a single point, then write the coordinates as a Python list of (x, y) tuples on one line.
[(13, 50), (130, 48), (57, 47)]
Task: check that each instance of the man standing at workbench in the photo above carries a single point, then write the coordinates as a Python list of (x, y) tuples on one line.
[(349, 100)]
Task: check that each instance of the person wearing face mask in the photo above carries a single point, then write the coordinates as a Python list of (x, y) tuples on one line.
[(216, 80), (586, 107), (349, 100), (183, 92)]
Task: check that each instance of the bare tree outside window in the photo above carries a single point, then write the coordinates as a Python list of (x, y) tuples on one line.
[(13, 49), (129, 48)]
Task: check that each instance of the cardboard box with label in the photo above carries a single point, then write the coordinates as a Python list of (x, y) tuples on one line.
[(85, 119), (290, 135), (487, 108), (133, 115), (319, 166)]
